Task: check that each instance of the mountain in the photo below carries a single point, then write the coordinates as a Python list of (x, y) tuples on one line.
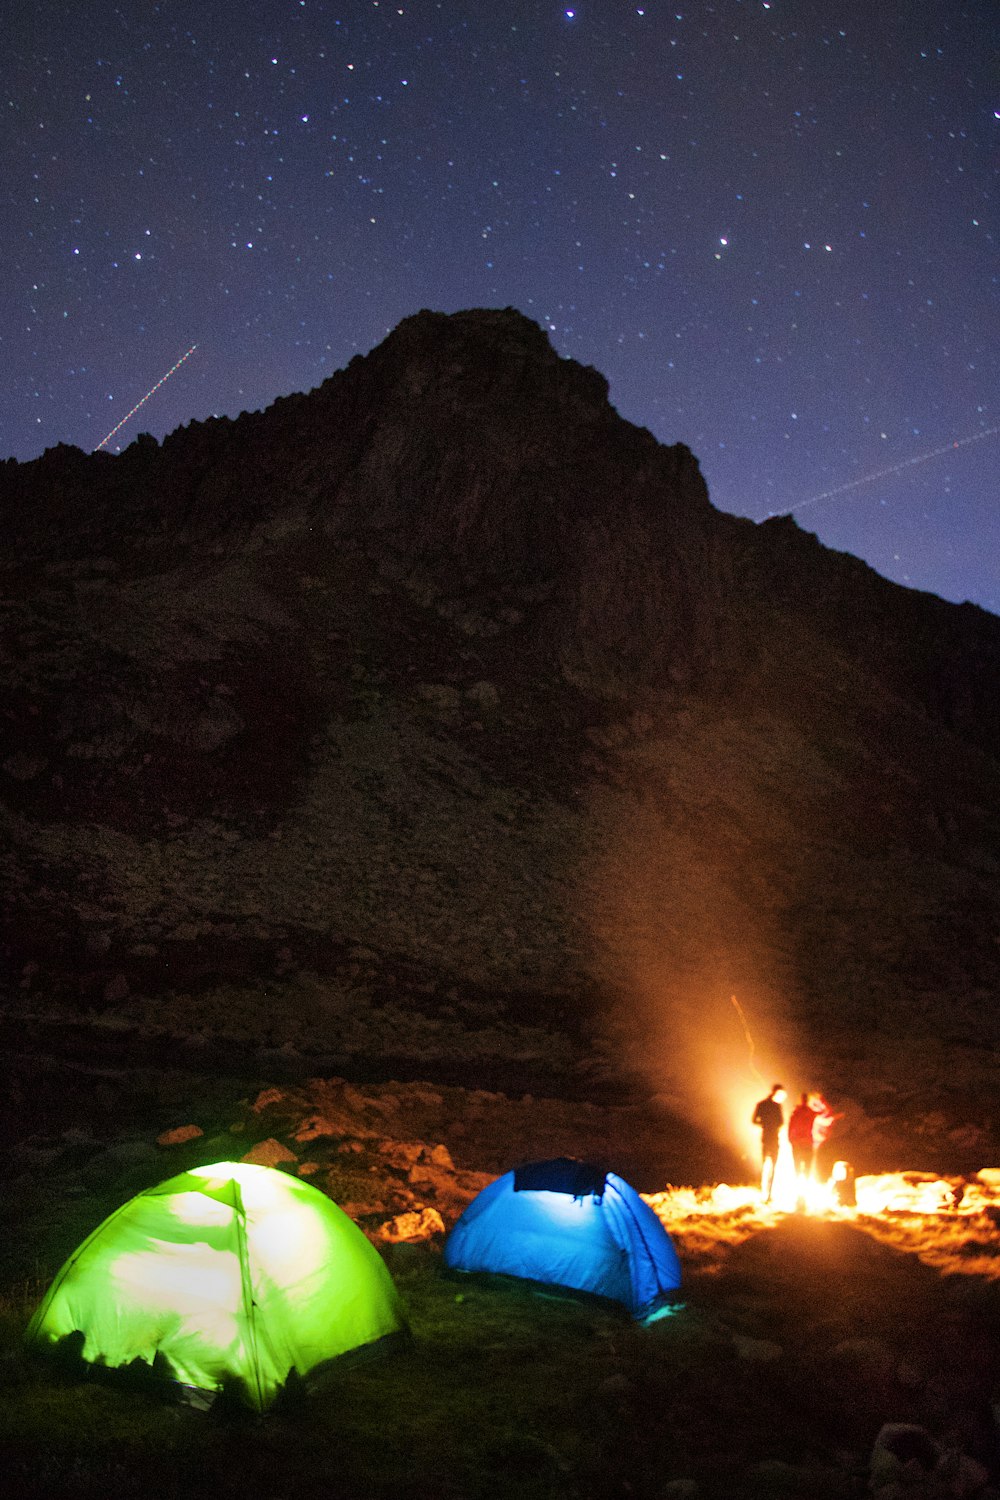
[(436, 718)]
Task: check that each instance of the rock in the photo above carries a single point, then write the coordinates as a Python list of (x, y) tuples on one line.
[(315, 1126), (441, 1157), (266, 1099), (757, 1351), (402, 1154), (438, 1181), (417, 1224), (179, 1135), (356, 1102), (961, 1475), (907, 1461), (903, 1453), (355, 1211), (269, 1153)]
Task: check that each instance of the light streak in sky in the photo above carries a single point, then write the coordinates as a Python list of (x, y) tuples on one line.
[(750, 1043), (907, 463), (151, 392)]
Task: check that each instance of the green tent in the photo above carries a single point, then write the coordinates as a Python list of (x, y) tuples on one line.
[(227, 1276)]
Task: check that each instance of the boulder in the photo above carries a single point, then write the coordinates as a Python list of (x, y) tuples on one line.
[(267, 1098), (180, 1135), (903, 1454), (417, 1224), (961, 1475), (907, 1461), (269, 1153)]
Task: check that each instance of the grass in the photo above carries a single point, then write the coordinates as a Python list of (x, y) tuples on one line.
[(501, 1391)]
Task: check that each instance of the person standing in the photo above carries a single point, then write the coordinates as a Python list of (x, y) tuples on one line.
[(770, 1116), (801, 1138), (826, 1118)]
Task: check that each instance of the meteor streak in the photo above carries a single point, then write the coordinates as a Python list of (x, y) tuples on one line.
[(907, 463), (151, 392), (750, 1042)]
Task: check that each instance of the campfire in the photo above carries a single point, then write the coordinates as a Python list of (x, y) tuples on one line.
[(948, 1222), (900, 1193)]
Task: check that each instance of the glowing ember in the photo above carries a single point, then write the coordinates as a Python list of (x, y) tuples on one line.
[(889, 1193), (918, 1193)]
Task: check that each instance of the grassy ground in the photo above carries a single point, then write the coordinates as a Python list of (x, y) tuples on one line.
[(500, 1390)]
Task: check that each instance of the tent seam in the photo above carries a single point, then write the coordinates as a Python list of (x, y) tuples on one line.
[(248, 1297)]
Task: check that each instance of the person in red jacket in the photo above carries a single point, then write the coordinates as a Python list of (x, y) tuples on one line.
[(826, 1118), (801, 1138)]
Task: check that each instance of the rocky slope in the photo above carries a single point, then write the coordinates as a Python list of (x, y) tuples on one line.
[(435, 718)]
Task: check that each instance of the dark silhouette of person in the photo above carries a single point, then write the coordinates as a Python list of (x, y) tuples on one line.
[(801, 1138), (770, 1116)]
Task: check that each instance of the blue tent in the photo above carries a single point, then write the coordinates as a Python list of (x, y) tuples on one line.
[(567, 1223)]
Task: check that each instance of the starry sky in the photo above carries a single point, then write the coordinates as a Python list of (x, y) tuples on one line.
[(772, 224)]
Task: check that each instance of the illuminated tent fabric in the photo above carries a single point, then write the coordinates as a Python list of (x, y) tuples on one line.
[(227, 1276), (566, 1223)]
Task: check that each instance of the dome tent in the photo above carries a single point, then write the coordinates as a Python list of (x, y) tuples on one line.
[(226, 1276), (567, 1223)]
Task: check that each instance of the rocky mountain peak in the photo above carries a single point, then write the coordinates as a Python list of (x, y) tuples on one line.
[(442, 694), (462, 436)]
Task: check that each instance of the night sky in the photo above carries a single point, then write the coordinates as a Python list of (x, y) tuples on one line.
[(773, 226)]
